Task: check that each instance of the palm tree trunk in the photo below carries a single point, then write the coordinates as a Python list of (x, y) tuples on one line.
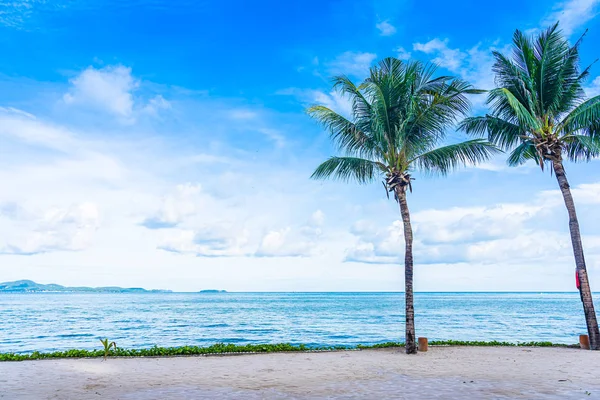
[(411, 347), (584, 284)]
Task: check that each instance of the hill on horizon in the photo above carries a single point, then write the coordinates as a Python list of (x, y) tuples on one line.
[(28, 286)]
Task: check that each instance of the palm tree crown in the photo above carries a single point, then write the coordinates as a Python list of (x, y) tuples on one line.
[(399, 117), (538, 109)]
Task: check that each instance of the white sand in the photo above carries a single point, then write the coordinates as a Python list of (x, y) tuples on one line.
[(441, 373)]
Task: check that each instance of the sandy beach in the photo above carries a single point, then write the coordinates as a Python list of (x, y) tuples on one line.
[(442, 372)]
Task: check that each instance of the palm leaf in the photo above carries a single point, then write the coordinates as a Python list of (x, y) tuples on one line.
[(348, 168), (345, 134), (582, 148), (523, 116), (582, 118), (523, 152), (500, 132), (447, 158)]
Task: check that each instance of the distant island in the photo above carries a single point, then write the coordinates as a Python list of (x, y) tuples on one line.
[(212, 291), (27, 286)]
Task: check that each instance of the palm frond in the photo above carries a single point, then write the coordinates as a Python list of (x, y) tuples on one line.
[(447, 158), (500, 132), (523, 152), (582, 148), (582, 118), (360, 106), (550, 50), (345, 134), (507, 104), (348, 169)]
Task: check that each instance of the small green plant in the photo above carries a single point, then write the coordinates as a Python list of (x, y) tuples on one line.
[(229, 348), (107, 347)]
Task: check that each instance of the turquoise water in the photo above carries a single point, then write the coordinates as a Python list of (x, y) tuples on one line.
[(59, 321)]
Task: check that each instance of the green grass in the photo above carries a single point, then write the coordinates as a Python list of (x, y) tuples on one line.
[(222, 348)]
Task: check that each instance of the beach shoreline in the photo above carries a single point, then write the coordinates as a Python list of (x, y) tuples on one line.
[(443, 372)]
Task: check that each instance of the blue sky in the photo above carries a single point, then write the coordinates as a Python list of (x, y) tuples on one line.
[(164, 145)]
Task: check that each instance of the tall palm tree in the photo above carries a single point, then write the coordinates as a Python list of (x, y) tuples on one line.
[(399, 115), (539, 111)]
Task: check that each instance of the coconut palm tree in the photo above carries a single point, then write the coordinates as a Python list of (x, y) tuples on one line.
[(400, 114), (539, 111)]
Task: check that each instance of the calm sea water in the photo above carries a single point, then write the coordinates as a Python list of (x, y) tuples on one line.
[(56, 321)]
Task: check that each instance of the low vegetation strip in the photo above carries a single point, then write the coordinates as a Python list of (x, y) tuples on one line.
[(222, 349)]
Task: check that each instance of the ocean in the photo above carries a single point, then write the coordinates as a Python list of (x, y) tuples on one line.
[(60, 321)]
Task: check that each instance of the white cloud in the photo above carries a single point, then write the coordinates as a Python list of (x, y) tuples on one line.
[(289, 242), (403, 54), (466, 225), (572, 14), (502, 234), (446, 57), (108, 89), (186, 201), (281, 243), (54, 229), (385, 28), (112, 90), (594, 88), (210, 241), (376, 246), (352, 63), (317, 219)]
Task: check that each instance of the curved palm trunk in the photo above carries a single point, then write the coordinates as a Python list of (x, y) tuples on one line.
[(584, 287), (411, 347)]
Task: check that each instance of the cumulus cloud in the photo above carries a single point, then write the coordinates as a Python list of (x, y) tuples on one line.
[(112, 89), (289, 242), (283, 243), (500, 234), (54, 229), (233, 240), (108, 89), (446, 57), (376, 246), (186, 200), (385, 28), (209, 241), (467, 225)]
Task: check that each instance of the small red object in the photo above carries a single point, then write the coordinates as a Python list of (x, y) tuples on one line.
[(577, 283)]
